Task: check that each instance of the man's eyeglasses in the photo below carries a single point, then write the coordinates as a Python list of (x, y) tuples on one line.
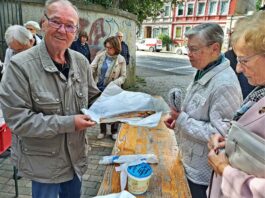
[(56, 24), (245, 59)]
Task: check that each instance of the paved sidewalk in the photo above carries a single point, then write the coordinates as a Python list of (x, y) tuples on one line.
[(149, 81)]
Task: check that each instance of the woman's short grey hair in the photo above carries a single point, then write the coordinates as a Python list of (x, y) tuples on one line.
[(209, 33), (19, 33), (33, 24)]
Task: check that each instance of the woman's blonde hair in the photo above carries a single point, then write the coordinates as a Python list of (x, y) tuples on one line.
[(252, 30)]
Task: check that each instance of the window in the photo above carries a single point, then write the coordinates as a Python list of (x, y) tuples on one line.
[(187, 28), (165, 31), (178, 32), (201, 8), (167, 11), (180, 10), (155, 32), (213, 8), (190, 9), (224, 8)]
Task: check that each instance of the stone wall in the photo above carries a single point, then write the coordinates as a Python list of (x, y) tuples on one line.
[(99, 23)]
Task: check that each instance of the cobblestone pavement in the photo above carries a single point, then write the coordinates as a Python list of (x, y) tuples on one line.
[(149, 81)]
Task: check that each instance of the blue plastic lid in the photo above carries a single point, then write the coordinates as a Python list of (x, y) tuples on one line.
[(140, 171)]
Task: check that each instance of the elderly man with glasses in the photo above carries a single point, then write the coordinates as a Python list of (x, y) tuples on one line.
[(212, 97), (124, 48), (48, 85)]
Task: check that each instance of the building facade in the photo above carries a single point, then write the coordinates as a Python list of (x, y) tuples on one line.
[(176, 20), (152, 28)]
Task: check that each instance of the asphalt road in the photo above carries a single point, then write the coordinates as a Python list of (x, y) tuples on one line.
[(169, 62)]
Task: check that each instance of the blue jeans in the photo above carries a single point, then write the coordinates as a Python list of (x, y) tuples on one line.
[(69, 189)]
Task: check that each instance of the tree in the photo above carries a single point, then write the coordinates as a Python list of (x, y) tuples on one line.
[(258, 4), (141, 8), (166, 40)]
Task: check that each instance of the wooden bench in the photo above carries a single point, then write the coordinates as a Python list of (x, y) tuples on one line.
[(168, 179)]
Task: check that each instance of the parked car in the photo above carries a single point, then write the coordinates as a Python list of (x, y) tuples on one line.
[(149, 44), (180, 50)]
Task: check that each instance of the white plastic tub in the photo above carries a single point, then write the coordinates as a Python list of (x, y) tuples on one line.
[(139, 178)]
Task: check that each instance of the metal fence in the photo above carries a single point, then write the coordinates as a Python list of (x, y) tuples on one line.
[(10, 14)]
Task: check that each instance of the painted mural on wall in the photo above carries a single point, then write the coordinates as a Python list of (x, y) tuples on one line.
[(101, 28)]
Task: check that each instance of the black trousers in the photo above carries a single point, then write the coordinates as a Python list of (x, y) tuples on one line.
[(113, 128), (197, 190)]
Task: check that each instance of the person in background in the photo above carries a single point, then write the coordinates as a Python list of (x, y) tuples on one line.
[(46, 116), (18, 39), (124, 48), (245, 86), (248, 44), (109, 66), (80, 45), (34, 27), (211, 96)]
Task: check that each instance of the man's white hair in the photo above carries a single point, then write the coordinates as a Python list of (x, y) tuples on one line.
[(119, 34), (19, 33), (65, 2), (33, 24)]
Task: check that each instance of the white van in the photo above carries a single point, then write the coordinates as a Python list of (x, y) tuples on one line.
[(149, 44)]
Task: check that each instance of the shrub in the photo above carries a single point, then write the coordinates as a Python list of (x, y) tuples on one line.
[(165, 39)]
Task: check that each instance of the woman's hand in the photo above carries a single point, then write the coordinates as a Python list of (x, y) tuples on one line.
[(170, 121), (218, 161), (216, 142)]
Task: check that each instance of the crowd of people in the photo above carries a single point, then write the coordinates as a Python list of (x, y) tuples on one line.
[(51, 78)]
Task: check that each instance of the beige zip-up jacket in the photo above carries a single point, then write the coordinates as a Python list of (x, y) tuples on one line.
[(39, 105), (116, 73)]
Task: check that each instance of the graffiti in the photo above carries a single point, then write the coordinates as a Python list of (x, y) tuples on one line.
[(96, 32), (102, 28)]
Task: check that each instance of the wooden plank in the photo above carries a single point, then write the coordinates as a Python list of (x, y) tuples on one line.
[(168, 179)]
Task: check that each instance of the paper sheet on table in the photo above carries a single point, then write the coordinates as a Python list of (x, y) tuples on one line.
[(123, 194), (150, 121), (114, 102), (111, 159)]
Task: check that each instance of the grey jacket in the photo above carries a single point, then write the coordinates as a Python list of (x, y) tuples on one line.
[(39, 105), (210, 100)]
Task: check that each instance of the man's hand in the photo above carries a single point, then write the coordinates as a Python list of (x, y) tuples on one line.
[(170, 121), (82, 122), (217, 161)]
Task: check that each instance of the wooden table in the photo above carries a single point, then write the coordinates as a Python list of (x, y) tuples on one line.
[(168, 179)]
